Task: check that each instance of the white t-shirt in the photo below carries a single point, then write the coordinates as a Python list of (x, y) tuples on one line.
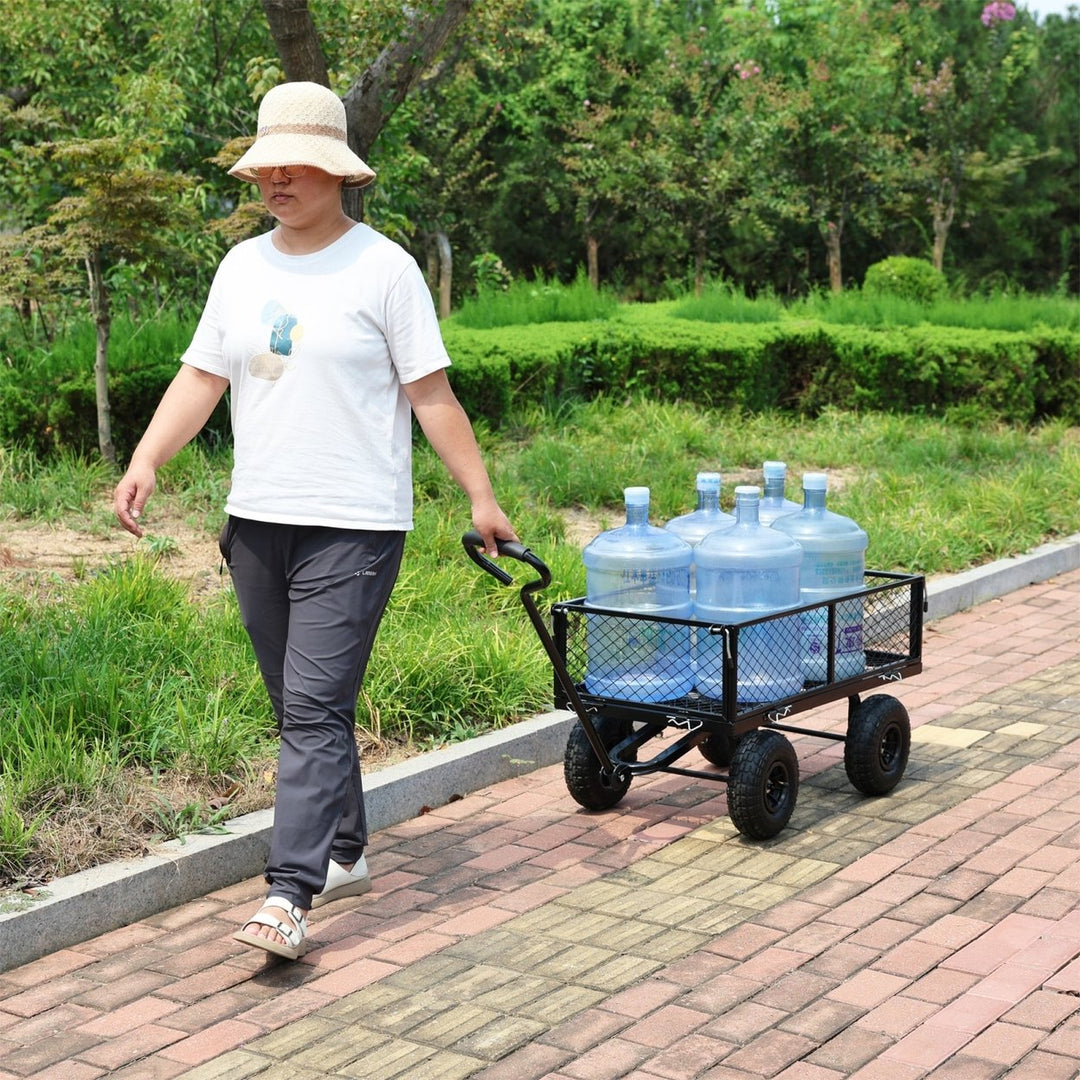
[(316, 349)]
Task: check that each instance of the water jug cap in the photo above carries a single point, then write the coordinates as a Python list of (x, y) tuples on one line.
[(815, 481), (774, 469), (747, 491), (636, 496), (708, 481)]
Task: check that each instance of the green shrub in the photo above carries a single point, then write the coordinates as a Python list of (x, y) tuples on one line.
[(48, 399), (903, 276)]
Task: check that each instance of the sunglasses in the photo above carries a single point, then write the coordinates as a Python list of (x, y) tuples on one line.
[(291, 172)]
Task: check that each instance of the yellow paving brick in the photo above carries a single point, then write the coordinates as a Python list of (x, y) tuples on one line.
[(453, 1024), (501, 1037), (397, 1058), (685, 850), (569, 965), (594, 895), (344, 1046), (404, 1015), (517, 994), (619, 972), (427, 970), (235, 1065), (605, 931), (479, 981), (566, 1001), (804, 872), (546, 919), (684, 879), (291, 1070), (671, 945), (713, 894), (361, 1004), (765, 895), (954, 737), (295, 1037)]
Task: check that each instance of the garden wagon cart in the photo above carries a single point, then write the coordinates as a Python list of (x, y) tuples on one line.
[(745, 737)]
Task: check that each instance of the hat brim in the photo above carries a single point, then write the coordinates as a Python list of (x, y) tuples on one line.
[(333, 156)]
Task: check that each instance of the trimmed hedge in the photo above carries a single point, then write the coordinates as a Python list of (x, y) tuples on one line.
[(787, 365), (791, 366)]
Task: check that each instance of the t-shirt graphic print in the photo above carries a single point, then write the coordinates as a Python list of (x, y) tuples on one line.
[(285, 335)]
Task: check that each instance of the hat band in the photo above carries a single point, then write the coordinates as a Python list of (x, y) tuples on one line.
[(326, 130)]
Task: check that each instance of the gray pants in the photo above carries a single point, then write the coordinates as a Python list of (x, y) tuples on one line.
[(311, 599)]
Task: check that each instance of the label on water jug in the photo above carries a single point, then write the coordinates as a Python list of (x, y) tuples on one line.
[(850, 660)]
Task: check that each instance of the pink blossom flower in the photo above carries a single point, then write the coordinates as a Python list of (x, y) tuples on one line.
[(997, 12)]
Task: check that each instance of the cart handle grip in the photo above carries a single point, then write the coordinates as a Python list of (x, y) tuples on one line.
[(474, 545)]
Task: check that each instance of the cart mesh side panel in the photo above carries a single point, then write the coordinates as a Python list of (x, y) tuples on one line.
[(684, 666)]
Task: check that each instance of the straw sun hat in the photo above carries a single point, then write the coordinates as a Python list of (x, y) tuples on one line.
[(303, 123)]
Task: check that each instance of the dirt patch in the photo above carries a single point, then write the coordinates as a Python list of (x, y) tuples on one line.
[(32, 552)]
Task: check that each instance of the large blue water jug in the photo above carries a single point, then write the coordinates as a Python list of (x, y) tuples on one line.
[(707, 518), (773, 502), (834, 564), (744, 572), (645, 570)]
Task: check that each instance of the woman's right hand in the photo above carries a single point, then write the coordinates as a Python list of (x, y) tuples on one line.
[(131, 494)]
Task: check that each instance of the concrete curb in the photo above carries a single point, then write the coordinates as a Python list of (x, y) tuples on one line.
[(76, 908)]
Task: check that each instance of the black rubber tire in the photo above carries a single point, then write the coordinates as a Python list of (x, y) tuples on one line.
[(581, 767), (718, 748), (877, 745), (763, 784)]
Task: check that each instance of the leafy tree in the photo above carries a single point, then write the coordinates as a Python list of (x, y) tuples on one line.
[(123, 211), (965, 150), (817, 84)]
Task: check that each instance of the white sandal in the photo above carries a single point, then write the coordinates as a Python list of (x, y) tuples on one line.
[(341, 882), (294, 932)]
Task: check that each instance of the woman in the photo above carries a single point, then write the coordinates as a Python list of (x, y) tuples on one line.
[(325, 334)]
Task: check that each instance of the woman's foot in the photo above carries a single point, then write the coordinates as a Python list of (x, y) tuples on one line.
[(351, 879), (278, 927)]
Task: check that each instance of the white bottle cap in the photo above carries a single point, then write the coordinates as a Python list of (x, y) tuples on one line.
[(774, 469), (747, 491), (815, 481), (636, 496), (708, 481)]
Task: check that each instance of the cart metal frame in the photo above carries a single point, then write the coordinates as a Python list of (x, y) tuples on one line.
[(762, 772)]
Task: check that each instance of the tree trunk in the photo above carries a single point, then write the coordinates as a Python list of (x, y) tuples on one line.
[(432, 273), (832, 256), (99, 308), (701, 254), (944, 209), (446, 273), (297, 41), (592, 250)]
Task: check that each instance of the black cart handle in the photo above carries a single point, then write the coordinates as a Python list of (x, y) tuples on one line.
[(474, 546)]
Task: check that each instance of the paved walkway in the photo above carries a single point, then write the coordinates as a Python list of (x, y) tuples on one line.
[(513, 936)]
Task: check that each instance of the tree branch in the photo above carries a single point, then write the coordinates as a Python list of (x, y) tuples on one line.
[(377, 92)]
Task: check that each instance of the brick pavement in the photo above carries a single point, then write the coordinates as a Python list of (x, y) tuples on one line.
[(512, 936)]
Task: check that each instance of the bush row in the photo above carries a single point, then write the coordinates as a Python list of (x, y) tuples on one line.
[(800, 367)]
